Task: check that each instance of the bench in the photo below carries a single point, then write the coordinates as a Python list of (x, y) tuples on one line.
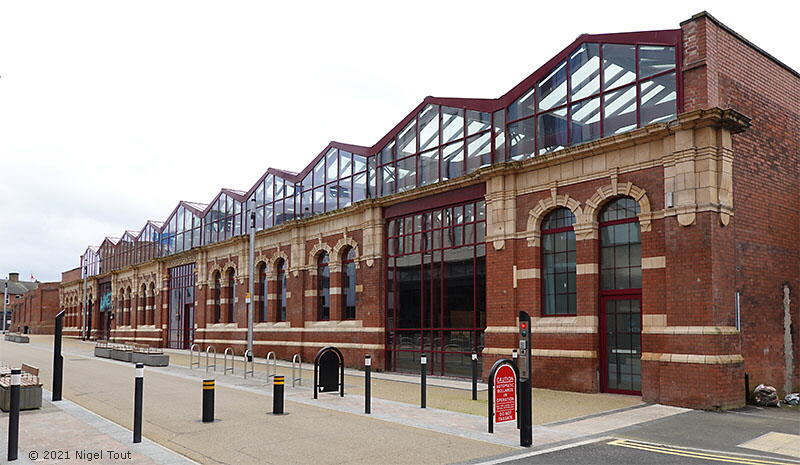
[(30, 388), (32, 370)]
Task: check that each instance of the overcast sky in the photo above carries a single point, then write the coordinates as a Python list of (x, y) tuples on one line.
[(111, 111)]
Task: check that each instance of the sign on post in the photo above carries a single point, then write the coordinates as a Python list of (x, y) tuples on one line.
[(327, 363), (505, 394)]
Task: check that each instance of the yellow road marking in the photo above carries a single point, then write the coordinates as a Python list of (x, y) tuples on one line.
[(692, 454)]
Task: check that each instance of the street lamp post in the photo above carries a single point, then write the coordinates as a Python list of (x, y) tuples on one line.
[(251, 284), (85, 301), (5, 303)]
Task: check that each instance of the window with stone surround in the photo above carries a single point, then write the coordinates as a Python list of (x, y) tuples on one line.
[(558, 263)]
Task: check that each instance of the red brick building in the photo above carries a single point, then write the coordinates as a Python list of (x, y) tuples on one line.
[(13, 290), (637, 195), (35, 311)]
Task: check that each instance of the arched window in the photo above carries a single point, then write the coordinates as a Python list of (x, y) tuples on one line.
[(231, 286), (151, 302), (349, 284), (620, 245), (128, 306), (323, 287), (280, 291), (558, 263), (217, 297), (118, 317), (141, 315), (261, 282)]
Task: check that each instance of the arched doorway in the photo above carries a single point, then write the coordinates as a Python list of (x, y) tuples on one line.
[(620, 297)]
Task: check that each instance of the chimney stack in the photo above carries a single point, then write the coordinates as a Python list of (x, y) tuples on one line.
[(13, 277)]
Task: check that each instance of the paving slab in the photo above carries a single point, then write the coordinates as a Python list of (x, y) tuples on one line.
[(777, 443), (64, 432)]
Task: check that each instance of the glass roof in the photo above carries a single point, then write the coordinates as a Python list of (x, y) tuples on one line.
[(598, 86)]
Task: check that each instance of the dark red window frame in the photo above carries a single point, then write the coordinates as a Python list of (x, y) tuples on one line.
[(429, 331), (543, 253), (280, 290), (607, 295), (262, 303), (323, 287), (348, 266)]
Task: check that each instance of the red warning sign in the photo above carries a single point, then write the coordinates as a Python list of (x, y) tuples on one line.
[(505, 394)]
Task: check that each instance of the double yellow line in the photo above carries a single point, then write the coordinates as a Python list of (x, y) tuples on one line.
[(693, 454)]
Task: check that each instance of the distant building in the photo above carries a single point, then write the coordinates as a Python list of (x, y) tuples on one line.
[(13, 289), (33, 310)]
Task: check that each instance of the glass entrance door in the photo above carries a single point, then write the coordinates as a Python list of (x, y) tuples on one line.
[(181, 307), (621, 325)]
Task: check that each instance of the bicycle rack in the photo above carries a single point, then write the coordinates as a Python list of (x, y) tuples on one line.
[(274, 366), (249, 353), (192, 363), (295, 378), (225, 368), (211, 349)]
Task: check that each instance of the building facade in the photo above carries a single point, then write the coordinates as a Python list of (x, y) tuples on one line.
[(630, 195), (35, 311), (13, 291)]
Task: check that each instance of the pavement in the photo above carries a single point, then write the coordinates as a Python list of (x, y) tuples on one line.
[(443, 393), (331, 429), (62, 432)]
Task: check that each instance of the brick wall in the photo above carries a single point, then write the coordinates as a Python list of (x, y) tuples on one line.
[(723, 70), (37, 311)]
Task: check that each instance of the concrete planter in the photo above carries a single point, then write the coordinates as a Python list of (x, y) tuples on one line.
[(30, 398), (121, 355), (151, 360), (103, 352), (17, 338)]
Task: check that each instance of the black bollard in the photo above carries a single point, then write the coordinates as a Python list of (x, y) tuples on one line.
[(525, 402), (514, 357), (277, 395), (208, 400), (13, 415), (367, 384), (474, 376), (746, 388), (58, 359), (423, 372), (137, 403)]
